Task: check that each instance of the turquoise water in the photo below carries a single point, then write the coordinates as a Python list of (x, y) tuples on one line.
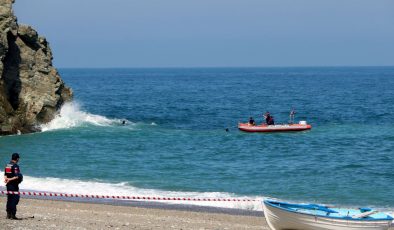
[(174, 141)]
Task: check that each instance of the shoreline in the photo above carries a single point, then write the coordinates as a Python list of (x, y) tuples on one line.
[(149, 202), (67, 214)]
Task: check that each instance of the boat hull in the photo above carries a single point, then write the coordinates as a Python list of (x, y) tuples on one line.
[(279, 219), (273, 128)]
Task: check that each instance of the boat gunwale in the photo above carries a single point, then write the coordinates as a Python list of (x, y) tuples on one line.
[(273, 128), (267, 202)]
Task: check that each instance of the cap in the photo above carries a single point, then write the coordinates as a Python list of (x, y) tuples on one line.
[(15, 156)]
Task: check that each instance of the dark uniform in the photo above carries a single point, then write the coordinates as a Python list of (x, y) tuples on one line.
[(12, 170)]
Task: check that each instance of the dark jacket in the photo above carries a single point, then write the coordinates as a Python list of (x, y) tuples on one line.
[(12, 170)]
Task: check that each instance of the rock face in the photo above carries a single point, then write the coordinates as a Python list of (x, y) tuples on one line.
[(31, 90)]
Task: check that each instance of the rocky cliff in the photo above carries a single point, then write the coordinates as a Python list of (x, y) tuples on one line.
[(31, 90)]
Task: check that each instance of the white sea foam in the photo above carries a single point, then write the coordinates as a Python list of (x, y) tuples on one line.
[(71, 116), (56, 185)]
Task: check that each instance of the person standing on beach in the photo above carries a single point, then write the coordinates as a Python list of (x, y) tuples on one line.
[(12, 178)]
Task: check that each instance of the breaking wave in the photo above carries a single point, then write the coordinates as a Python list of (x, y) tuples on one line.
[(100, 188), (69, 186), (71, 115)]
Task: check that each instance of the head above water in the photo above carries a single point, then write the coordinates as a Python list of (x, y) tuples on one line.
[(15, 156)]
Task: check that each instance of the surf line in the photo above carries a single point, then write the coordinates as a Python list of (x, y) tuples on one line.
[(46, 194)]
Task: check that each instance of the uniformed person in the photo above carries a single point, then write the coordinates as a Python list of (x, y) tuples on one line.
[(12, 178)]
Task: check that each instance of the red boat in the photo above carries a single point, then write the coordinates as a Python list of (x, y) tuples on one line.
[(246, 127)]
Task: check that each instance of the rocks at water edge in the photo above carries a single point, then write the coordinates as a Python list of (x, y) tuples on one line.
[(31, 90)]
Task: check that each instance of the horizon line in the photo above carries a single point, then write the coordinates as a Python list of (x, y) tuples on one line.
[(229, 67)]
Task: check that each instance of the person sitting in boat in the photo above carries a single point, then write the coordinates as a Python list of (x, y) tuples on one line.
[(269, 120), (251, 121)]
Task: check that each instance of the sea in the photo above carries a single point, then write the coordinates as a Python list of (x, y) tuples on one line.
[(180, 136)]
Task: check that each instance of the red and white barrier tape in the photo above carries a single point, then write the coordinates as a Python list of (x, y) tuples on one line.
[(46, 194)]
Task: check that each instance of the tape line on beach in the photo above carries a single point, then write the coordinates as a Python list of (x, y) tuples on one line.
[(149, 198)]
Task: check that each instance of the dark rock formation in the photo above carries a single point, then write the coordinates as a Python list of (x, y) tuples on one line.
[(31, 90)]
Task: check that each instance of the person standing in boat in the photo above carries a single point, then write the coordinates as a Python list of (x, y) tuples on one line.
[(292, 115), (266, 117), (251, 121), (269, 120)]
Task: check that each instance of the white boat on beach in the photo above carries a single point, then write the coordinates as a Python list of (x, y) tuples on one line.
[(286, 216)]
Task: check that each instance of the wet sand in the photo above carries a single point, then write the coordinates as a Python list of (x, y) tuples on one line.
[(49, 214)]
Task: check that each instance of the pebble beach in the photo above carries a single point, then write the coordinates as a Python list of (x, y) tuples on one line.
[(49, 214)]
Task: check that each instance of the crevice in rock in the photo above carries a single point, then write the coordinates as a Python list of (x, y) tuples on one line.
[(60, 102), (46, 114), (10, 74), (30, 42)]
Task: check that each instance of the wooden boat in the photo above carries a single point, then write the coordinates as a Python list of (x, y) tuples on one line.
[(246, 127), (281, 216)]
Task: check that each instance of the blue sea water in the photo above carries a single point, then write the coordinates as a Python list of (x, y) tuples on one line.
[(174, 141)]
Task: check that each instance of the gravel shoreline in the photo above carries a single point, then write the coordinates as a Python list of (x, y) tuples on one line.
[(50, 214)]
